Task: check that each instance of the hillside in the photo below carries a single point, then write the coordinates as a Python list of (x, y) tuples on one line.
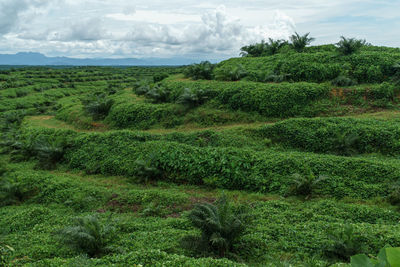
[(305, 146)]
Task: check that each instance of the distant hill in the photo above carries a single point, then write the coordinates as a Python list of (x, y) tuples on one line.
[(30, 58)]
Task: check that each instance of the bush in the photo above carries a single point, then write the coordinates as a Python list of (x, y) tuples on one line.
[(88, 235), (203, 71), (220, 225), (348, 46)]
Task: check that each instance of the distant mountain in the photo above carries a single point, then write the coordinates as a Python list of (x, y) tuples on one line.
[(30, 58)]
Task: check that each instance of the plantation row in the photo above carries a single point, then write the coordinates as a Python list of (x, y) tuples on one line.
[(129, 154), (48, 201)]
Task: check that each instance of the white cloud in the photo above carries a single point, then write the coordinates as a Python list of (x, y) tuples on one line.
[(207, 29)]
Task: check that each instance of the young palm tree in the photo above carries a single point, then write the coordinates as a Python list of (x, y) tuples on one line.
[(348, 46), (299, 42), (273, 46), (87, 235), (305, 185), (220, 227)]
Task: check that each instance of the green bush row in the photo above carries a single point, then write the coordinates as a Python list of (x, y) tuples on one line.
[(116, 153), (337, 135), (364, 67), (273, 100)]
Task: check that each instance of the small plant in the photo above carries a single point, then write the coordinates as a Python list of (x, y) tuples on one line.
[(10, 192), (158, 94), (344, 143), (305, 184), (159, 77), (98, 106), (396, 76), (271, 47), (343, 81), (348, 46), (88, 235), (394, 196), (299, 42), (192, 98), (49, 152), (146, 170), (234, 74), (387, 257), (203, 70), (220, 224), (346, 243)]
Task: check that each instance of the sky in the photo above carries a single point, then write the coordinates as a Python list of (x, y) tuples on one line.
[(191, 28)]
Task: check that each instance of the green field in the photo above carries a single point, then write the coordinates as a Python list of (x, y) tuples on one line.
[(312, 164)]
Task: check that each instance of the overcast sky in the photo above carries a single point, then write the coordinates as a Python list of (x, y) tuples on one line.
[(190, 28)]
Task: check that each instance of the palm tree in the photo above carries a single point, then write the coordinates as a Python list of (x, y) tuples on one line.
[(87, 235), (305, 185), (273, 46), (300, 42), (220, 227), (348, 46)]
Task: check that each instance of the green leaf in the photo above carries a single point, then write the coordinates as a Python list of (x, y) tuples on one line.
[(361, 260)]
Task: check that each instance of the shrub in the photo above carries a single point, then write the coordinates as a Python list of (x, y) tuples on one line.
[(346, 243), (299, 42), (220, 225), (88, 235), (348, 46), (203, 71)]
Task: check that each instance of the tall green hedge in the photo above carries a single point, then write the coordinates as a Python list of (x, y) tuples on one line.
[(365, 67), (322, 134)]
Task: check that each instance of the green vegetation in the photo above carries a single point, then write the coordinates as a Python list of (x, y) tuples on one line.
[(276, 158)]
